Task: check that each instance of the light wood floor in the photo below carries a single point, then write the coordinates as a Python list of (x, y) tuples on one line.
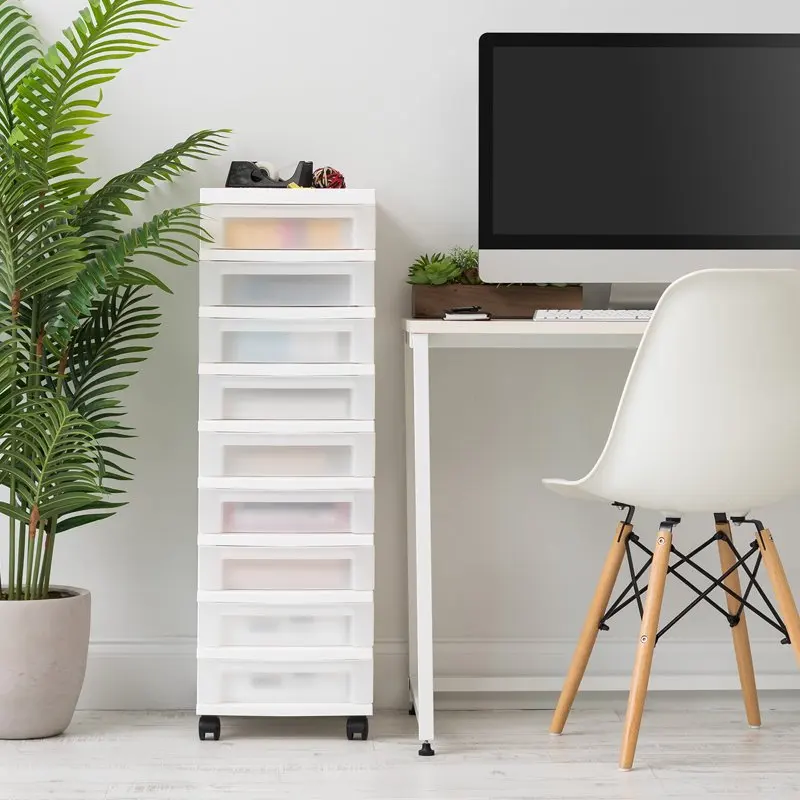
[(692, 747)]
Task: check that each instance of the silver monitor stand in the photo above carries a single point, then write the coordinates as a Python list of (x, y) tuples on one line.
[(635, 295), (622, 295)]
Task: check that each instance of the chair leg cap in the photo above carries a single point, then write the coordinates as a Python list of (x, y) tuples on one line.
[(626, 769), (754, 727), (555, 733)]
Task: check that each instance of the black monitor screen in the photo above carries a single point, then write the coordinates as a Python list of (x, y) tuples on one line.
[(640, 140)]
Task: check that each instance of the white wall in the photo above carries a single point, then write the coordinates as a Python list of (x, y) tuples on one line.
[(388, 93)]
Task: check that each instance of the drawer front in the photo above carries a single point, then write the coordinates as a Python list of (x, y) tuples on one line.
[(267, 683), (294, 455), (271, 284), (223, 569), (295, 227), (230, 397), (308, 625), (238, 511), (255, 341)]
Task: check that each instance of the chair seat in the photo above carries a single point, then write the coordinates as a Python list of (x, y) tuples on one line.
[(674, 506), (707, 420), (571, 489)]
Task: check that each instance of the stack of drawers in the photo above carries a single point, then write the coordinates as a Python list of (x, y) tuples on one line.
[(286, 456)]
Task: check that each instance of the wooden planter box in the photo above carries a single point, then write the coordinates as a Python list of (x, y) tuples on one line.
[(502, 302)]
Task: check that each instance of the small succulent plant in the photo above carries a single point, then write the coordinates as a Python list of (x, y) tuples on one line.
[(435, 270), (466, 259), (460, 265)]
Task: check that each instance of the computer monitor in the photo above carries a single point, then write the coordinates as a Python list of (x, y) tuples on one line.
[(613, 158)]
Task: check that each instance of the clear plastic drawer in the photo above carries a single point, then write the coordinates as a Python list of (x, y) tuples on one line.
[(231, 397), (333, 624), (256, 341), (263, 683), (292, 455), (291, 227), (248, 511), (259, 569), (345, 283)]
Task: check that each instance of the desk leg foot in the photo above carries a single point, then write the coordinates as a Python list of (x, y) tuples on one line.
[(426, 749)]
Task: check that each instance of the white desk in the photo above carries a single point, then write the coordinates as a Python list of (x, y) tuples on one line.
[(421, 336)]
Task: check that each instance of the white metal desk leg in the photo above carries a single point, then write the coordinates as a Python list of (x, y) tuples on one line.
[(420, 586)]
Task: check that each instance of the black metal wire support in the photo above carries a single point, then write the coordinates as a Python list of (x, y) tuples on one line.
[(633, 592)]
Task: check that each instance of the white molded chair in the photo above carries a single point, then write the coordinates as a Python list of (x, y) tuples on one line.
[(709, 421)]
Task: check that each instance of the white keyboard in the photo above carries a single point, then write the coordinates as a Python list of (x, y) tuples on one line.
[(592, 315)]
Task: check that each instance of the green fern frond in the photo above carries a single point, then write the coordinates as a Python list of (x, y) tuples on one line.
[(58, 98), (169, 236), (76, 318), (108, 344), (19, 49), (52, 456), (40, 250), (113, 200)]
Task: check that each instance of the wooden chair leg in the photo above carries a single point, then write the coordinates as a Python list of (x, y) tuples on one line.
[(591, 627), (741, 638), (647, 642), (780, 585)]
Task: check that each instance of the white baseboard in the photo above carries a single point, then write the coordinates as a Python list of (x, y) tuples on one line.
[(160, 674)]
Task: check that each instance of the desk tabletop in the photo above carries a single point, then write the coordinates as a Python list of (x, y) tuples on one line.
[(522, 333)]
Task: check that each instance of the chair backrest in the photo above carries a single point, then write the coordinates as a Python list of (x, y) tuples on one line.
[(709, 419)]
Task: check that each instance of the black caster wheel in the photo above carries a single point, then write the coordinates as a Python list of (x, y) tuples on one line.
[(412, 712), (426, 749), (209, 726), (358, 727)]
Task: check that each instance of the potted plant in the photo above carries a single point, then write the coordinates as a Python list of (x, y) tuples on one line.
[(443, 281), (76, 320)]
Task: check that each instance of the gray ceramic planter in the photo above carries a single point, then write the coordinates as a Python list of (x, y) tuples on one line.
[(42, 663)]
